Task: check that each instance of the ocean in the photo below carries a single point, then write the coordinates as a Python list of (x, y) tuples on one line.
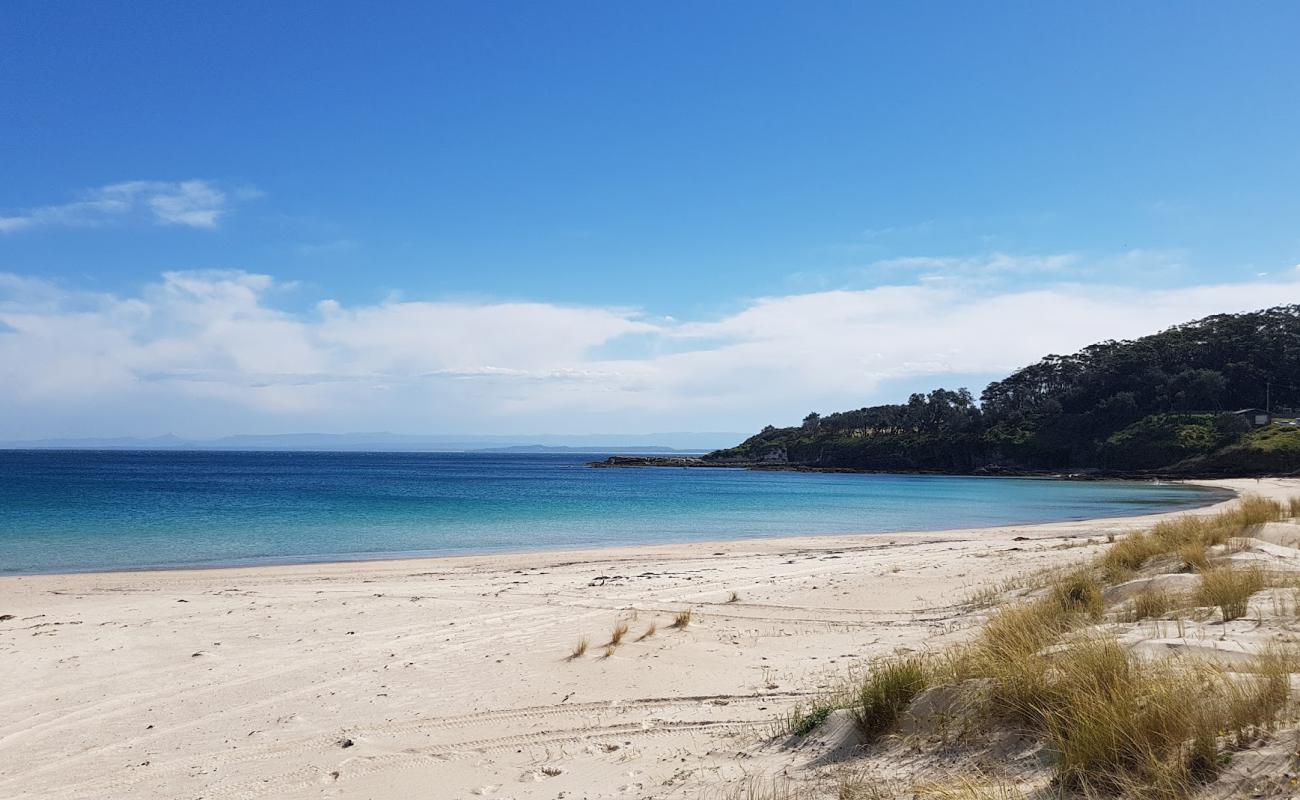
[(65, 511)]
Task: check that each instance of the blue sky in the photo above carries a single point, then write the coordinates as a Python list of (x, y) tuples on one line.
[(604, 195)]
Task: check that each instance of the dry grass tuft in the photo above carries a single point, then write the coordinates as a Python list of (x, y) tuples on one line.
[(777, 788), (1188, 536), (1293, 506), (968, 787), (1080, 592), (886, 693), (616, 635), (1113, 723), (1229, 589), (1128, 555), (650, 630), (1194, 557), (1255, 510), (1006, 654), (1123, 725), (845, 785), (579, 649), (609, 651), (733, 597), (682, 620), (1153, 604)]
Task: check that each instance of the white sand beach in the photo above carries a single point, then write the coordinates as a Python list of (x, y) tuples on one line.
[(450, 677)]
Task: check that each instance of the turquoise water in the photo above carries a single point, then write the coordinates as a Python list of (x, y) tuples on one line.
[(97, 510)]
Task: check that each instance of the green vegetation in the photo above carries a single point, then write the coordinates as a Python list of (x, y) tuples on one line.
[(1160, 403), (803, 721), (886, 694), (1273, 449)]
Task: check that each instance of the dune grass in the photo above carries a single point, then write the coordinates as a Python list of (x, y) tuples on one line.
[(1114, 722), (1152, 604), (1154, 728), (1229, 589), (1194, 557), (682, 620), (1188, 536), (886, 693), (617, 633), (733, 597), (803, 720), (1128, 555), (579, 648), (650, 630), (967, 787), (843, 784), (1080, 591)]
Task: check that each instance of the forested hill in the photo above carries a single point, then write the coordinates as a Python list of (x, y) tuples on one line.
[(1162, 403)]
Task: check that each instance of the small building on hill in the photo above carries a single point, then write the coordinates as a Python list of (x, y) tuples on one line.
[(1257, 417)]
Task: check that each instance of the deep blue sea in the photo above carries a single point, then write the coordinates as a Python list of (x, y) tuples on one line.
[(96, 510)]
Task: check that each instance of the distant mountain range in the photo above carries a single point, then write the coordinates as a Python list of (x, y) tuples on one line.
[(396, 442)]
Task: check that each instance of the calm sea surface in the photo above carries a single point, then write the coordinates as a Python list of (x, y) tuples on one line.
[(95, 510)]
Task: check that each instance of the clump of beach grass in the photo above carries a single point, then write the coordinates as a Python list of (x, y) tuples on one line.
[(1194, 556), (616, 635), (1128, 555), (682, 620), (1229, 589), (733, 597), (1006, 655), (803, 720), (967, 787), (650, 630), (609, 650), (579, 648), (1154, 728), (886, 693), (1255, 510), (1080, 591), (1116, 723), (1152, 604), (1188, 536), (843, 783)]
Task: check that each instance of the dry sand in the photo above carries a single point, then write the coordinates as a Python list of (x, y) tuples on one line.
[(448, 678)]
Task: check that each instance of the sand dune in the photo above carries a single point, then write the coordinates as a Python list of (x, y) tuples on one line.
[(448, 678)]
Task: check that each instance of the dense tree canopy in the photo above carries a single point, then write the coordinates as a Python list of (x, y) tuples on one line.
[(1156, 403)]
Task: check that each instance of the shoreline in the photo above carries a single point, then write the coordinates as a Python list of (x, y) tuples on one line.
[(313, 561), (385, 678), (1207, 485)]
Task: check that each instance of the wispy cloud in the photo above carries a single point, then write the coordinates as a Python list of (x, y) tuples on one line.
[(219, 346), (992, 263), (192, 203)]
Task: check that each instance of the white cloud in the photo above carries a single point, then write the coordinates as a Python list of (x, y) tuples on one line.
[(193, 203), (992, 263), (211, 352)]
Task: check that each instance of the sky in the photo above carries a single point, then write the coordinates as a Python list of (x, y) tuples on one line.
[(577, 217)]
